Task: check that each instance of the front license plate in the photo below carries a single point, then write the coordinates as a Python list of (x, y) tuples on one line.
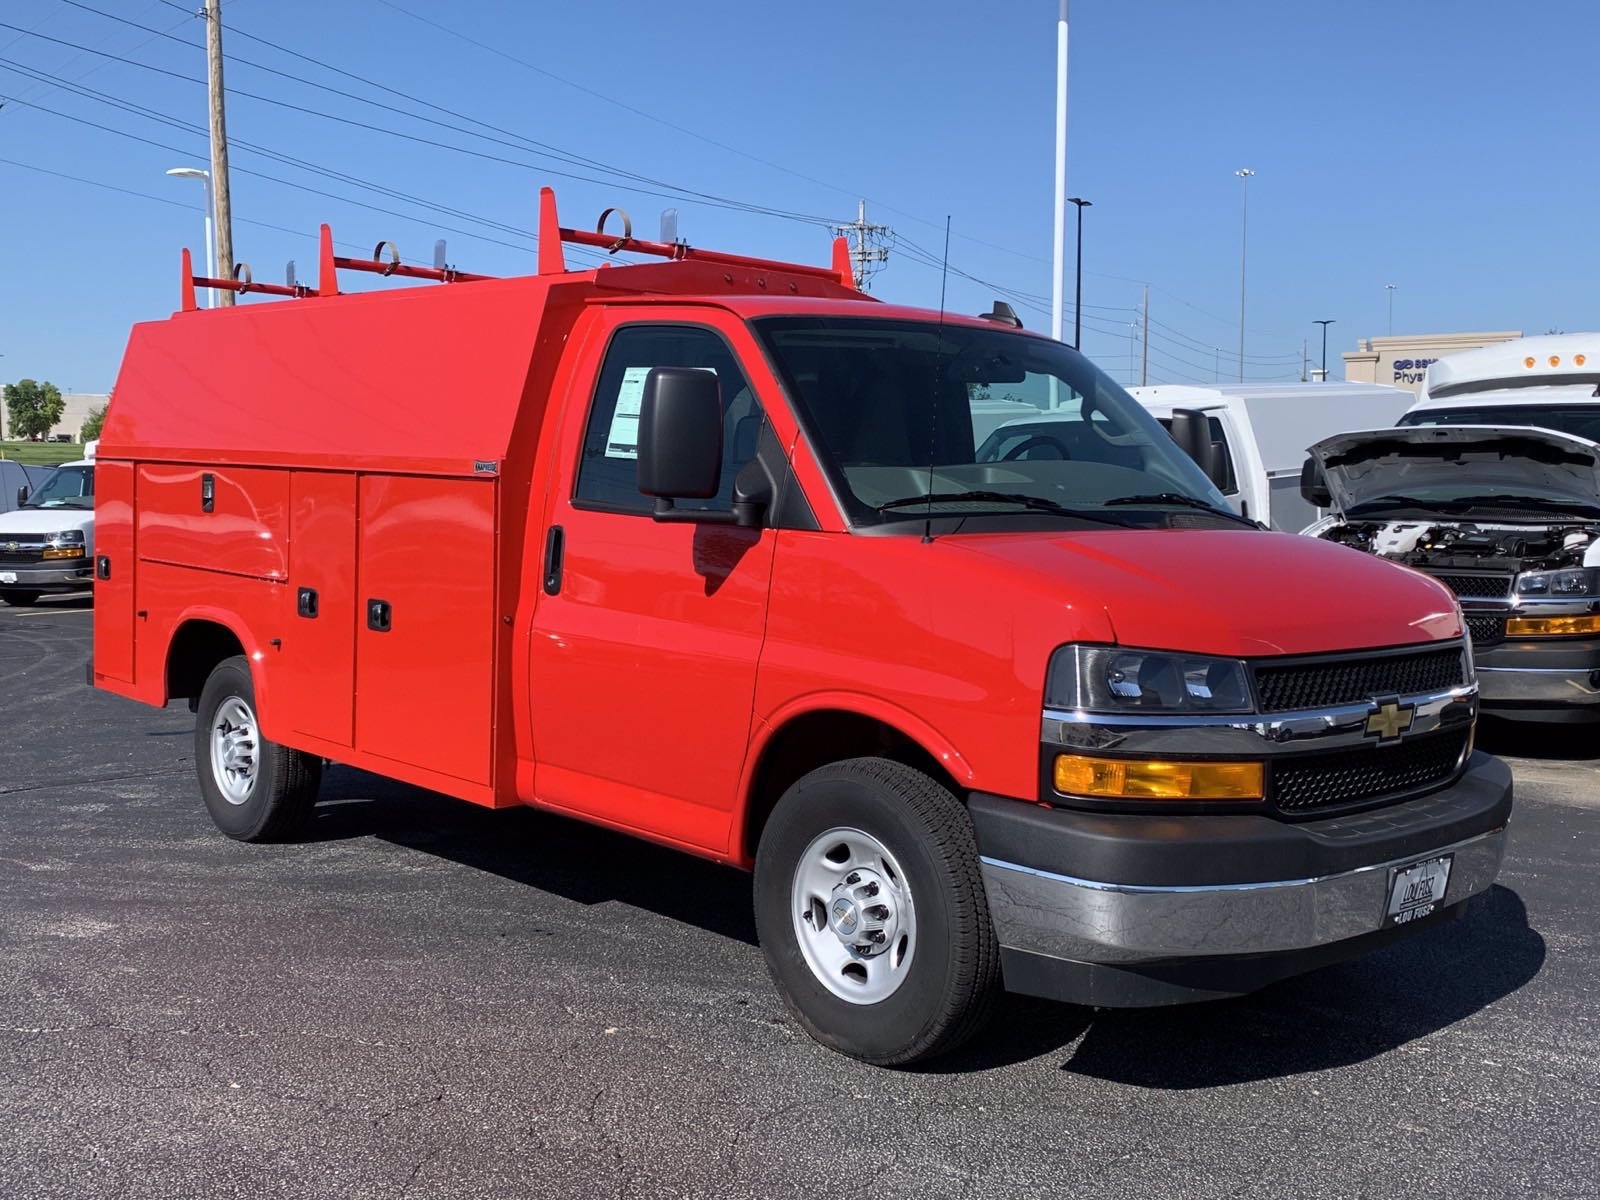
[(8, 576), (1417, 890)]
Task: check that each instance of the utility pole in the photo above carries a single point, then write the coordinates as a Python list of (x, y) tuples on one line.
[(869, 245), (1144, 369), (1302, 360), (1390, 287), (219, 147), (1059, 266)]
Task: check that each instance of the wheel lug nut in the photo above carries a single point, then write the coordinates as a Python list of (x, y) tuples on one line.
[(877, 936), (871, 889), (853, 878), (879, 912)]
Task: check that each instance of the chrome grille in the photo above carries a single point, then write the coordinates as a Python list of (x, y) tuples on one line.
[(1323, 683)]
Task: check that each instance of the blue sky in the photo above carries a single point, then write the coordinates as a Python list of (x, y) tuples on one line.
[(1443, 147)]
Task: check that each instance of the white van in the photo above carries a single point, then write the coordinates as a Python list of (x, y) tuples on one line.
[(47, 542), (1260, 433)]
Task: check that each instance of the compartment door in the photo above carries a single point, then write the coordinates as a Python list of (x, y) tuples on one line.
[(114, 570), (424, 622), (315, 681)]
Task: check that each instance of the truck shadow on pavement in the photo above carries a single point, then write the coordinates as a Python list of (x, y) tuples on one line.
[(1337, 1016), (579, 862), (1333, 1017), (1550, 740)]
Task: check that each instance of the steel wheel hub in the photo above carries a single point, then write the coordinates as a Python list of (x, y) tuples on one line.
[(854, 917), (235, 746)]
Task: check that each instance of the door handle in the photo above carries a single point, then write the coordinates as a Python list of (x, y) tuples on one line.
[(102, 566), (306, 602), (555, 546), (380, 616)]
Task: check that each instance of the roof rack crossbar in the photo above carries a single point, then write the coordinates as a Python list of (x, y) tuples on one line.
[(552, 234)]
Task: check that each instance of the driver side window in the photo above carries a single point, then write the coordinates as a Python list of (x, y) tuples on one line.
[(608, 473)]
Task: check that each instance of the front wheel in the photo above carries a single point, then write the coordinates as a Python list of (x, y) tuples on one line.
[(255, 789), (20, 599), (872, 915)]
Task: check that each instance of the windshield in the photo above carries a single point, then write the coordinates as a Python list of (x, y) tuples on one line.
[(1577, 420), (984, 421), (65, 487)]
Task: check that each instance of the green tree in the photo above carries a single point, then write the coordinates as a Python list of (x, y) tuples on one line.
[(93, 423), (32, 407)]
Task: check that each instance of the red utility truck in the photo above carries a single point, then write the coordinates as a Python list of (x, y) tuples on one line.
[(707, 550)]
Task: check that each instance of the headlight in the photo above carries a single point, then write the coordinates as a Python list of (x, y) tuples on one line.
[(67, 537), (1569, 582), (1113, 679)]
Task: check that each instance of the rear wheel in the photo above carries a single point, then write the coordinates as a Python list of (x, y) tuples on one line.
[(872, 913), (20, 599), (255, 789)]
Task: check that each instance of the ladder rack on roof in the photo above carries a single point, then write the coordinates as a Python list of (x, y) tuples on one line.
[(551, 261)]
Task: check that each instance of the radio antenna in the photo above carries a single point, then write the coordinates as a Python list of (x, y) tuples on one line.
[(933, 392)]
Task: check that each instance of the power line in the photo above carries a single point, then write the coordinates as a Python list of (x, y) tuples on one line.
[(628, 179), (301, 187), (112, 187)]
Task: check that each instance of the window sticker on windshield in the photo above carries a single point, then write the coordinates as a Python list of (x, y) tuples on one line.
[(622, 441)]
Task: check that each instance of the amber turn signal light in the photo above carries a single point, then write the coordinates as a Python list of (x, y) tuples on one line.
[(62, 552), (1155, 779), (1552, 626)]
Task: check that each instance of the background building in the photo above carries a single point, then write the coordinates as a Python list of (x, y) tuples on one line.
[(75, 408), (1400, 360)]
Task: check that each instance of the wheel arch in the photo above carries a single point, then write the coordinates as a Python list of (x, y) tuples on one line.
[(202, 638), (830, 728)]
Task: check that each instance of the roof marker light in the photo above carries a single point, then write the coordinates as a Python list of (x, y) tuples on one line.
[(1579, 359), (1528, 362), (1555, 360)]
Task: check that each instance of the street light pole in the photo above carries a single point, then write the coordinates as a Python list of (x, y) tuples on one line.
[(211, 247), (1244, 174), (1390, 288), (1324, 325), (1077, 290)]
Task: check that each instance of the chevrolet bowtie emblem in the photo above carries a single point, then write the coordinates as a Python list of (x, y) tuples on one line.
[(13, 547), (1389, 720)]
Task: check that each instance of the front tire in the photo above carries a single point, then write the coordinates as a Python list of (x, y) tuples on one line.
[(20, 599), (872, 915), (254, 789)]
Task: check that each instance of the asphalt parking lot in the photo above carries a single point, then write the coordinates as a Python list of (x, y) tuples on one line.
[(428, 999)]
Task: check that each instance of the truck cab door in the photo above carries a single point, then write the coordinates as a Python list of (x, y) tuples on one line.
[(646, 636)]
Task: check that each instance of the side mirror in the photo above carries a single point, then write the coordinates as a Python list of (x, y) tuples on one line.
[(1191, 429), (22, 495), (680, 437), (1314, 485)]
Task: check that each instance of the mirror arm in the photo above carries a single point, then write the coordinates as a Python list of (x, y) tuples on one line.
[(668, 513)]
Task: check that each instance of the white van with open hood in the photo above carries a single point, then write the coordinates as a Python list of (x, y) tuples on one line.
[(1491, 484)]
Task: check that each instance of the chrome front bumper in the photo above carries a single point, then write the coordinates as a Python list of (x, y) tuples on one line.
[(1538, 686), (70, 574), (1089, 921)]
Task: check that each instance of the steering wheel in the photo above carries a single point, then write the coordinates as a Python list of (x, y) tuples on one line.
[(1038, 439)]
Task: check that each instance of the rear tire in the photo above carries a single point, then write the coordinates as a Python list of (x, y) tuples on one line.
[(895, 961), (20, 599), (255, 789)]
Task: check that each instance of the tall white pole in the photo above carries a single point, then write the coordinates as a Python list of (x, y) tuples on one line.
[(211, 244), (1058, 278), (1244, 174)]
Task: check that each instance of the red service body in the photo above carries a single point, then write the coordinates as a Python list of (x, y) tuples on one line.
[(975, 743)]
